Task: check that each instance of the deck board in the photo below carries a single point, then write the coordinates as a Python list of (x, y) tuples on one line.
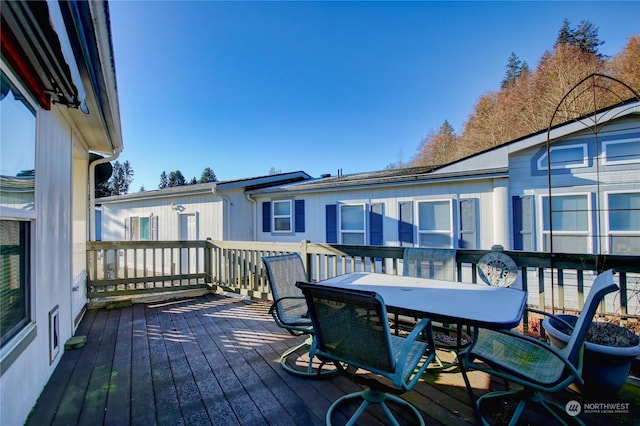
[(215, 360)]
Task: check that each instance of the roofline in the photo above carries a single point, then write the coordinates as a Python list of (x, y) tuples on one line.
[(628, 107), (206, 188), (496, 173), (88, 27)]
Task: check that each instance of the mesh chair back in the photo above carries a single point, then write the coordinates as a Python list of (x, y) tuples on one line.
[(351, 326), (602, 285), (283, 271), (429, 263)]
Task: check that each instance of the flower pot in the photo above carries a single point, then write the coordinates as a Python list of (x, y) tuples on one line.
[(605, 367)]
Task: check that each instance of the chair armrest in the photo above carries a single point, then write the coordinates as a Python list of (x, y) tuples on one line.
[(556, 352), (547, 314), (424, 323)]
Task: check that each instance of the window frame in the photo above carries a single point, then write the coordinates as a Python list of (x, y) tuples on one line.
[(152, 228), (342, 231), (24, 332), (610, 234), (605, 158), (450, 233), (275, 216), (542, 215), (541, 163)]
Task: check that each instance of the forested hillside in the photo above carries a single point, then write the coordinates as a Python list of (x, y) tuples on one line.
[(528, 98)]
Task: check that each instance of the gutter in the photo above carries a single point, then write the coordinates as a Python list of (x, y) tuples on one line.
[(92, 191)]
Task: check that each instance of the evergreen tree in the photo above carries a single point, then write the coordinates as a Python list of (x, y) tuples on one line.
[(565, 35), (164, 180), (193, 181), (119, 182), (515, 68), (207, 176), (585, 37), (176, 179)]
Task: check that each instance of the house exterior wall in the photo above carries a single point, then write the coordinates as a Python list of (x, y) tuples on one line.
[(484, 192), (595, 179), (168, 211), (51, 270)]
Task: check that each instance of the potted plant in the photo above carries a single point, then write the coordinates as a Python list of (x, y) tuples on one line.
[(609, 351)]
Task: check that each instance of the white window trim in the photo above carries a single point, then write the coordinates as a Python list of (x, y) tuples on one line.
[(541, 212), (274, 217), (542, 161), (605, 159), (352, 231), (609, 233), (450, 233), (23, 339)]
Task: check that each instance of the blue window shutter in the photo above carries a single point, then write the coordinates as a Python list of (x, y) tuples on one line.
[(517, 223), (405, 223), (331, 219), (266, 216), (299, 215), (375, 224)]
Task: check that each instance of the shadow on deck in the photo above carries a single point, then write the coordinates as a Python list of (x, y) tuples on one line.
[(215, 360)]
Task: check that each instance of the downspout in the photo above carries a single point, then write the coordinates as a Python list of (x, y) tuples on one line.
[(225, 211), (92, 191), (254, 218)]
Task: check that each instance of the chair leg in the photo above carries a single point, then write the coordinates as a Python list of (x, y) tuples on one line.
[(371, 396), (311, 371)]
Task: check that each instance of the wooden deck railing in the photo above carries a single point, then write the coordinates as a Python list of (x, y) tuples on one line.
[(556, 282)]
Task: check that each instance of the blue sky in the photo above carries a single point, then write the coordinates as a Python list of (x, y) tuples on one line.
[(242, 87)]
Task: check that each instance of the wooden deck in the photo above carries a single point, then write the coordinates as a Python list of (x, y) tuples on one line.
[(215, 360)]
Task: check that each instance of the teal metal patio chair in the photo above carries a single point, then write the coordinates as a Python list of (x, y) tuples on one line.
[(531, 363), (440, 264), (353, 332), (289, 311)]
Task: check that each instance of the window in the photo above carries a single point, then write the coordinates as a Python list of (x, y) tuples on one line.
[(565, 157), (468, 224), (282, 216), (352, 224), (434, 224), (624, 223), (17, 199), (143, 228), (287, 216), (626, 151), (570, 222), (15, 300)]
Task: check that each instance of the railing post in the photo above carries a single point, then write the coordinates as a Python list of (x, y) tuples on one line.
[(208, 273), (306, 258)]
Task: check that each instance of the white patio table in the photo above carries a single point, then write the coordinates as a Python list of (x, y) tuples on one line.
[(446, 301)]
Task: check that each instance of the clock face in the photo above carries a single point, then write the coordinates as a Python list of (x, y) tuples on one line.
[(497, 269)]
